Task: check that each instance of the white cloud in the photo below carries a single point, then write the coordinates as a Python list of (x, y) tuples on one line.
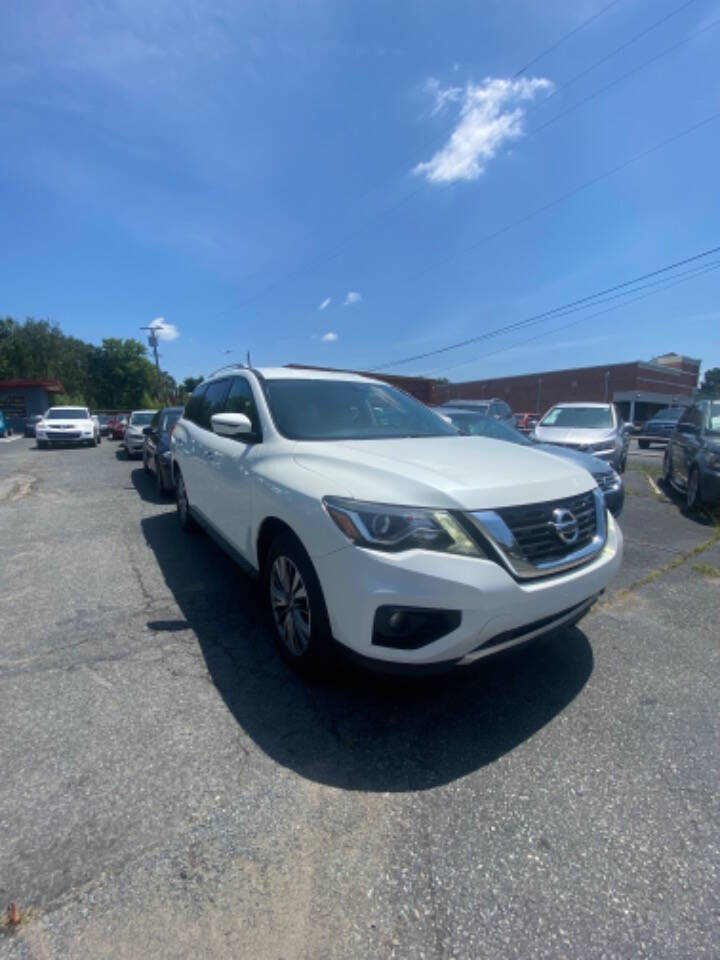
[(164, 331), (329, 337), (352, 297), (326, 303), (442, 96), (490, 115)]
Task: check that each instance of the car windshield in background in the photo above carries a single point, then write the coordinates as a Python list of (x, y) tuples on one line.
[(170, 419), (479, 426), (714, 417), (141, 419), (71, 413), (672, 413), (349, 410), (583, 418)]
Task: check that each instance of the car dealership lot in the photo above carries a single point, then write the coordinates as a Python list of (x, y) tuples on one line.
[(170, 789)]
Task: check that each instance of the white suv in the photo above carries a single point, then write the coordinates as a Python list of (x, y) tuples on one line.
[(67, 425), (373, 523)]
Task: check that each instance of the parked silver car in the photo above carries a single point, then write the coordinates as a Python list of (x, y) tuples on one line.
[(595, 428)]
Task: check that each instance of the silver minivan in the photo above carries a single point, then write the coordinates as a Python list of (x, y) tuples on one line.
[(595, 428)]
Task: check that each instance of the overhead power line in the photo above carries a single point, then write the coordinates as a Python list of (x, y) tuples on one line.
[(566, 36), (618, 49), (660, 286), (528, 321)]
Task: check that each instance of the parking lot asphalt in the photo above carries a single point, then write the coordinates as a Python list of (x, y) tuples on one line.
[(169, 789)]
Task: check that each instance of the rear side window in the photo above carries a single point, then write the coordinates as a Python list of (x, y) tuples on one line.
[(241, 400), (194, 405), (692, 416)]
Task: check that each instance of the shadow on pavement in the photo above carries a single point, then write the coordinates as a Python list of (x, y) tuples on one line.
[(146, 486), (358, 730)]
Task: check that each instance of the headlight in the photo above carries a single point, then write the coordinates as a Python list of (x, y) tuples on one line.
[(714, 461), (603, 445), (608, 480), (392, 529)]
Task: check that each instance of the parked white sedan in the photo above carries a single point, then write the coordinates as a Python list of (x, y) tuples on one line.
[(67, 426)]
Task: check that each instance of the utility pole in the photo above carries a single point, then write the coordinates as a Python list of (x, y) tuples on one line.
[(153, 341)]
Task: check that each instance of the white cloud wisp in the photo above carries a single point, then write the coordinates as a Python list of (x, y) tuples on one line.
[(352, 297), (329, 337), (490, 115), (325, 304), (164, 331)]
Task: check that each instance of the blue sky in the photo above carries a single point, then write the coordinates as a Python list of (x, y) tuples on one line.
[(314, 181)]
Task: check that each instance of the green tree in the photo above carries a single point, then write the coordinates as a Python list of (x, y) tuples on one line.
[(189, 384), (121, 375), (710, 387)]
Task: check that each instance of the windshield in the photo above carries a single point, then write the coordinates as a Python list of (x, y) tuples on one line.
[(478, 426), (714, 417), (170, 418), (142, 419), (584, 418), (69, 413), (481, 408), (671, 413), (349, 410)]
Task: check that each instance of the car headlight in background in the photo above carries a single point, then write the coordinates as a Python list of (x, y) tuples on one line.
[(608, 480), (392, 529)]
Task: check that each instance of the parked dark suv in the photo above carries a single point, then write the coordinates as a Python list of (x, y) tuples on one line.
[(659, 427), (494, 408), (692, 457), (157, 457)]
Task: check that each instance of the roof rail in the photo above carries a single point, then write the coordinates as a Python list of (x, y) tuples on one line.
[(228, 366)]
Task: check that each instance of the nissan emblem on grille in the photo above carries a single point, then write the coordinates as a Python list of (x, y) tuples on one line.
[(565, 524)]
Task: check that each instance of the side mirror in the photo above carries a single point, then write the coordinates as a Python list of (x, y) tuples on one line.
[(147, 431), (688, 428), (231, 424), (627, 429)]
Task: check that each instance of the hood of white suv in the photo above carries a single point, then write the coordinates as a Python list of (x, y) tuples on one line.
[(466, 473)]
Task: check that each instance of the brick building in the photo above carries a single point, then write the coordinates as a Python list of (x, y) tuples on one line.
[(638, 388)]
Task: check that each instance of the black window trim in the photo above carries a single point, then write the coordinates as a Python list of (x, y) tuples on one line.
[(256, 436)]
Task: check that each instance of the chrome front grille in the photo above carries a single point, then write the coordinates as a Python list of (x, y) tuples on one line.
[(539, 539), (533, 529)]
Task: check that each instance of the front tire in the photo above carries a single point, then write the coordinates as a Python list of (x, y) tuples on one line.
[(667, 468), (42, 444), (297, 607), (694, 501), (183, 506), (644, 444), (146, 465)]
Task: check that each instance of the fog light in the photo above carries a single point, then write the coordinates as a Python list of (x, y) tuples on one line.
[(409, 628)]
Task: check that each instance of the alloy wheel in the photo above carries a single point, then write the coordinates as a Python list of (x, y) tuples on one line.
[(290, 606)]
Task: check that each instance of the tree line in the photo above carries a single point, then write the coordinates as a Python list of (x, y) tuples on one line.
[(117, 375)]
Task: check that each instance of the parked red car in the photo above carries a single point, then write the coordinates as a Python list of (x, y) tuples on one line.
[(526, 421), (116, 426)]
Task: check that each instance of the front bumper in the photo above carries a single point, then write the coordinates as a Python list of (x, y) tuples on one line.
[(493, 605), (134, 444)]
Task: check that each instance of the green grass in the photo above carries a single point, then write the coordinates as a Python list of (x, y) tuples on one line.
[(706, 570)]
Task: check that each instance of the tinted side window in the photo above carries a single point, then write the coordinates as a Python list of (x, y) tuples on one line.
[(194, 404), (691, 417), (213, 401), (241, 400)]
